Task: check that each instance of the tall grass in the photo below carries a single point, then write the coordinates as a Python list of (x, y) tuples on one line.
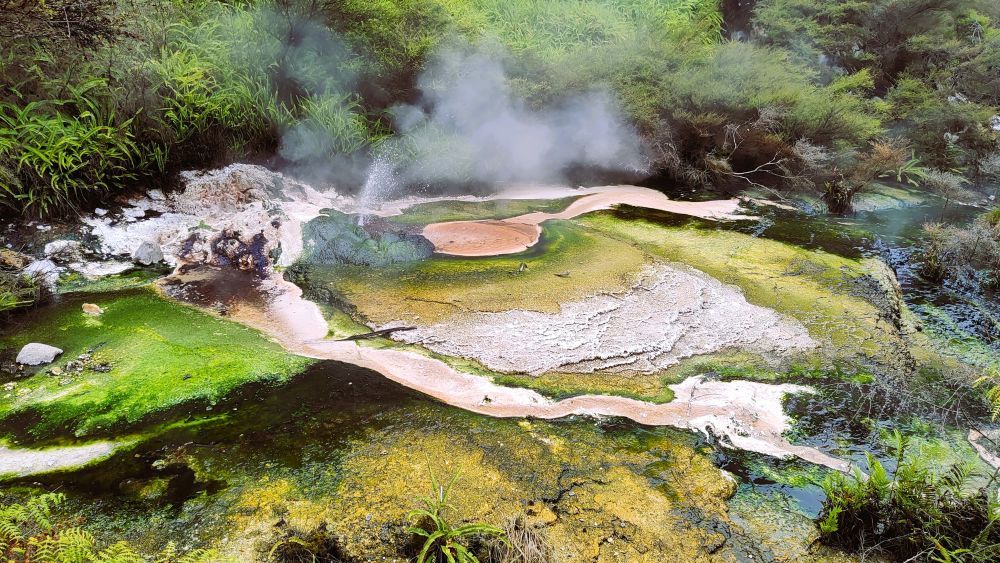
[(55, 152)]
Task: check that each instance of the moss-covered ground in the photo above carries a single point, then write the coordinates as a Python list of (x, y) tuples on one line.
[(157, 355), (348, 450)]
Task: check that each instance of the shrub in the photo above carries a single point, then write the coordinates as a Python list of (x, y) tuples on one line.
[(917, 513), (968, 255), (58, 152)]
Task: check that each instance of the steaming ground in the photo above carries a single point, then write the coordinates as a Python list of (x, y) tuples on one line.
[(670, 314)]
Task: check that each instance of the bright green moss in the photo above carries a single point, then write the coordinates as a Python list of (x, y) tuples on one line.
[(162, 355), (76, 283)]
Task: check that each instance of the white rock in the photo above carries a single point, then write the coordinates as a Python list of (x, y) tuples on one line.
[(35, 353), (134, 212), (67, 250), (147, 254), (45, 271), (100, 269)]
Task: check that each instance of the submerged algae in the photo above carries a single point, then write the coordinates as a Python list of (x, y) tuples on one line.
[(157, 355), (349, 451)]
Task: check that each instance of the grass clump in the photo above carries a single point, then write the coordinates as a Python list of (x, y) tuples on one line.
[(442, 541), (17, 290), (919, 512)]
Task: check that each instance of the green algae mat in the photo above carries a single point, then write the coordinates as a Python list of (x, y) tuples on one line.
[(147, 355)]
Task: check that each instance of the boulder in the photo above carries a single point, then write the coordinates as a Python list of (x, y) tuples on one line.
[(147, 254), (35, 353), (14, 259), (45, 271)]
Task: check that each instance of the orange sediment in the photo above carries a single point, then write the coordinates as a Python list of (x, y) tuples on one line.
[(516, 234)]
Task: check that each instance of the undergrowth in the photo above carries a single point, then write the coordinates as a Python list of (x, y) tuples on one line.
[(918, 513), (37, 531)]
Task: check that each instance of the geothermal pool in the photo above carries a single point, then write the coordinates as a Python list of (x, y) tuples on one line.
[(598, 359)]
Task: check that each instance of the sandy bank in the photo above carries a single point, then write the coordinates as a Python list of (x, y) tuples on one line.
[(19, 462)]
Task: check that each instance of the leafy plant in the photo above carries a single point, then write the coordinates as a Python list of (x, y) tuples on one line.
[(443, 541), (991, 381), (33, 531), (919, 512)]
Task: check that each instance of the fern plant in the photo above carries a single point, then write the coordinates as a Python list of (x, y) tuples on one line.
[(34, 531), (991, 381), (917, 512), (443, 541)]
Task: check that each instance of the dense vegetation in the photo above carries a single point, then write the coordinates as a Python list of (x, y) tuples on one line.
[(100, 94), (38, 530), (920, 512)]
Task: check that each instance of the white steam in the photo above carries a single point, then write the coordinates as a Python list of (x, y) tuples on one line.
[(470, 128)]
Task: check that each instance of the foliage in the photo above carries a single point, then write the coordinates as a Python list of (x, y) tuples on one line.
[(918, 512), (968, 255), (991, 380), (36, 531), (442, 541), (17, 289), (53, 157)]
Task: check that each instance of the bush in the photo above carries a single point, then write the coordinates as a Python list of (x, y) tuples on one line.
[(919, 512), (968, 255)]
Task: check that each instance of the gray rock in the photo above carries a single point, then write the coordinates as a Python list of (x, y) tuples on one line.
[(35, 353), (64, 250), (147, 254)]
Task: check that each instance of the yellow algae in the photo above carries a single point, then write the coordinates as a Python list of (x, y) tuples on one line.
[(813, 286), (606, 496)]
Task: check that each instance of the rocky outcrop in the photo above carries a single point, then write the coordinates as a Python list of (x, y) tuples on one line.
[(147, 254), (336, 238), (241, 216)]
